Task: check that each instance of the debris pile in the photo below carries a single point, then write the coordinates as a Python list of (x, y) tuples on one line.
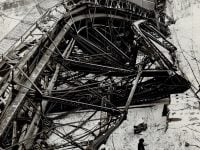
[(80, 56)]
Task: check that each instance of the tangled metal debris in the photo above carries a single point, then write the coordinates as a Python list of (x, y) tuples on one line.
[(85, 55)]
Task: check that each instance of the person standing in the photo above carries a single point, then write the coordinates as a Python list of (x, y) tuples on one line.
[(141, 144)]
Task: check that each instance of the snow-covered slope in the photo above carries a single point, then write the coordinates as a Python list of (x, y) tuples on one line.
[(186, 36), (14, 22), (9, 18)]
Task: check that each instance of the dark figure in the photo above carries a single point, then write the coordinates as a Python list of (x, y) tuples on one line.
[(141, 144)]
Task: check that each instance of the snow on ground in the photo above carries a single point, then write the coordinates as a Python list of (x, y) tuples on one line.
[(186, 36), (11, 17), (15, 21), (67, 125), (125, 139)]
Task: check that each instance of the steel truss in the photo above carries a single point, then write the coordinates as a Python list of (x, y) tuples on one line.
[(94, 56)]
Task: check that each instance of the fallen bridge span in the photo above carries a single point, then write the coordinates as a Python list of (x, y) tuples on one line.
[(84, 55)]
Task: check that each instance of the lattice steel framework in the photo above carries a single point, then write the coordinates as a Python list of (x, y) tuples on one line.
[(96, 56)]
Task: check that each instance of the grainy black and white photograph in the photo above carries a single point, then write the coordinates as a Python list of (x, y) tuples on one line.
[(99, 75)]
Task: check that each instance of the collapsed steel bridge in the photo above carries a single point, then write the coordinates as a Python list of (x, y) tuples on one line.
[(101, 56)]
